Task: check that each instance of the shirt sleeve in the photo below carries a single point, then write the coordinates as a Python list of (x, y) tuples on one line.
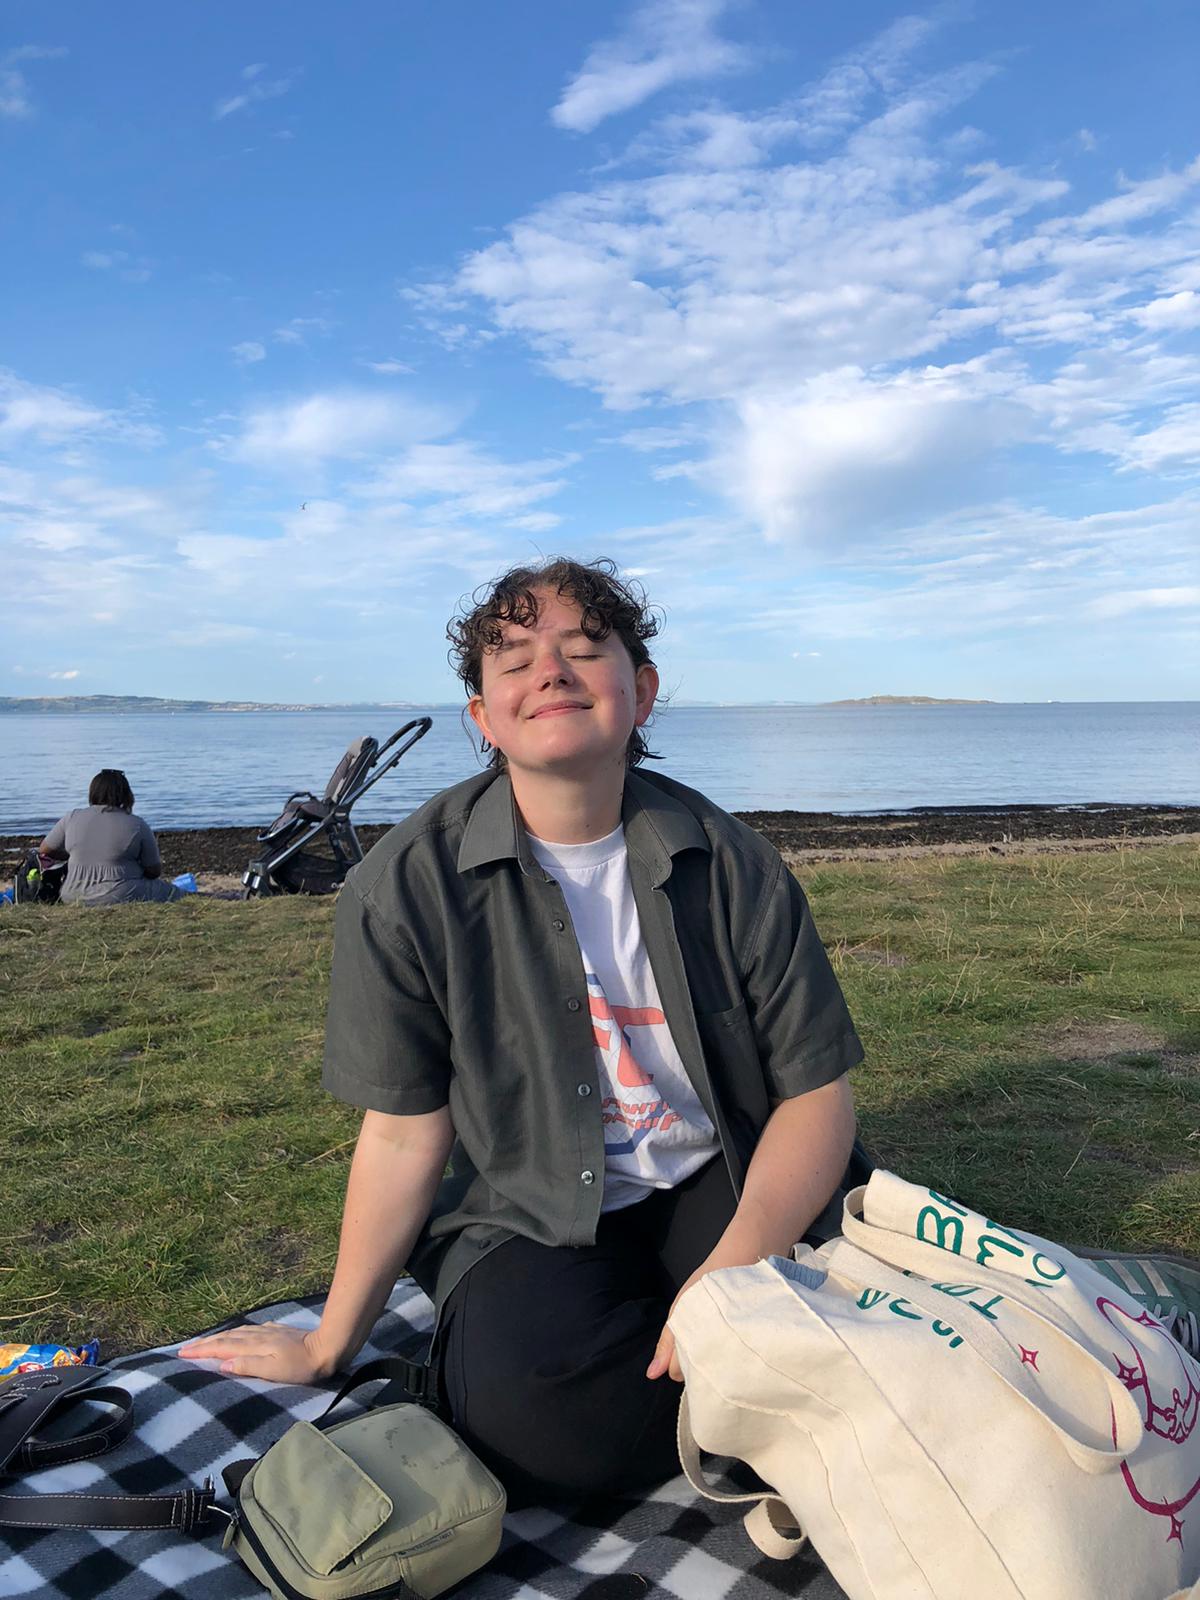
[(56, 839), (387, 1045), (802, 1027), (148, 850)]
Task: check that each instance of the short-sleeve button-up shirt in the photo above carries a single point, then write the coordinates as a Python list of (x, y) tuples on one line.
[(457, 980)]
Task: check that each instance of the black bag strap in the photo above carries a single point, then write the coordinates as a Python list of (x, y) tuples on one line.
[(416, 1379), (31, 1400), (28, 1403)]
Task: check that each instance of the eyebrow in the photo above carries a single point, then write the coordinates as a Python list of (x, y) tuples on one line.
[(517, 641)]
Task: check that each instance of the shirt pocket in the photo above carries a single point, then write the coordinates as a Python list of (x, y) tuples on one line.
[(735, 1071)]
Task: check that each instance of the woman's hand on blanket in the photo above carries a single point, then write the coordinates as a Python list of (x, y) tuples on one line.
[(264, 1350)]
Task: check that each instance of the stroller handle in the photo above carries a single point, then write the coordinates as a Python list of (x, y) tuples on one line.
[(416, 729)]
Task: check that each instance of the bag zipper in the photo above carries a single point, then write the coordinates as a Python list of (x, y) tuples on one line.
[(400, 1590)]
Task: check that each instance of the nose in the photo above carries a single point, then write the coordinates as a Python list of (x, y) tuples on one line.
[(553, 667)]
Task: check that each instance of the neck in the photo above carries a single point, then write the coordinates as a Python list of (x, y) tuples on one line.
[(566, 810)]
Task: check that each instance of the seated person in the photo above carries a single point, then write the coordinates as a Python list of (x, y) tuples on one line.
[(604, 1001), (112, 855)]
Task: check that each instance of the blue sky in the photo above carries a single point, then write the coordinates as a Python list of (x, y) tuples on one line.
[(867, 338)]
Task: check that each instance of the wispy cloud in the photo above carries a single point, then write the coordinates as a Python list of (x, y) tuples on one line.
[(298, 330), (665, 42), (338, 425), (858, 335), (248, 352), (254, 90), (129, 268), (36, 414), (16, 97)]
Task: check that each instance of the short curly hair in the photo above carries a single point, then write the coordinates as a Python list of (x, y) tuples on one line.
[(110, 787), (607, 604)]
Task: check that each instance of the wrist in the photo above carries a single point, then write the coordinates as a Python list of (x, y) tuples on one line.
[(751, 1237), (328, 1355)]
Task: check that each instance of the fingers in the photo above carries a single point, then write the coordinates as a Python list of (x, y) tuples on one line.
[(233, 1342), (664, 1355)]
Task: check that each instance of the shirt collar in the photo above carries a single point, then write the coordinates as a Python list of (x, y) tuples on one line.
[(657, 828)]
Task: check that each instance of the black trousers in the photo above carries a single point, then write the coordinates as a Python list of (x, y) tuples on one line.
[(544, 1350)]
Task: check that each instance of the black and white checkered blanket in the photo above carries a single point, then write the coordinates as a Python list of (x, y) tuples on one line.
[(192, 1421)]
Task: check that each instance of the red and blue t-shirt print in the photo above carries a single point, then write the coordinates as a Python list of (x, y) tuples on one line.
[(632, 1108)]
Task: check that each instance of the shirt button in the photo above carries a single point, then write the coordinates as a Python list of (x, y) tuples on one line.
[(572, 1004), (559, 925), (587, 1176), (584, 1090)]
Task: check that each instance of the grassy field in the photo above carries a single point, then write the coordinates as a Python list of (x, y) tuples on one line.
[(1032, 1027)]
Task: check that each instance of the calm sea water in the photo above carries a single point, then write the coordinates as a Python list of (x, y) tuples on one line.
[(220, 768)]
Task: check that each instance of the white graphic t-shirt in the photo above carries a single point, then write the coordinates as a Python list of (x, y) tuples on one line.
[(656, 1132)]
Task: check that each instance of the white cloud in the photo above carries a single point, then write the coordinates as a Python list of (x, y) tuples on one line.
[(29, 412), (1174, 444), (466, 484), (841, 456), (388, 368), (257, 90), (1180, 310), (297, 330), (847, 338), (666, 42), (248, 352), (16, 100), (130, 268), (1120, 605), (65, 676), (338, 425)]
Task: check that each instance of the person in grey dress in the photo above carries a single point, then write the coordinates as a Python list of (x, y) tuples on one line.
[(112, 855)]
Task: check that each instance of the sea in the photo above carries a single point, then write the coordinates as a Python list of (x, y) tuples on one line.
[(217, 769)]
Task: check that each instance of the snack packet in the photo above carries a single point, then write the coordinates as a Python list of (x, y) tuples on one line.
[(15, 1358)]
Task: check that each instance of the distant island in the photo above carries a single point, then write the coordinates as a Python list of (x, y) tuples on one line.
[(76, 703), (907, 700)]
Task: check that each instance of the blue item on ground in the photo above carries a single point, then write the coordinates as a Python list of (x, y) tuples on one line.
[(187, 882), (6, 897)]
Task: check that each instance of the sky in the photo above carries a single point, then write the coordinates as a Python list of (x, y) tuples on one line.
[(865, 338)]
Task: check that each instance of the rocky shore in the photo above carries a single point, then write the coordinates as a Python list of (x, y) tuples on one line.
[(222, 853)]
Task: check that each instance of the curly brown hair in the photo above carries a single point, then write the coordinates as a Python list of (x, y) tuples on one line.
[(607, 604)]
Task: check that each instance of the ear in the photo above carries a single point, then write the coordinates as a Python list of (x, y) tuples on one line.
[(478, 712), (645, 689)]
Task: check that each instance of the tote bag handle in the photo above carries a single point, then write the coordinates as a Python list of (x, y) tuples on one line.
[(770, 1523), (866, 1269)]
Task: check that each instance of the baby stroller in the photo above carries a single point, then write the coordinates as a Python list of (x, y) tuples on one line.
[(311, 845), (39, 879)]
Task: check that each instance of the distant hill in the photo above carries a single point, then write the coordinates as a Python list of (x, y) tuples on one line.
[(907, 700), (77, 703)]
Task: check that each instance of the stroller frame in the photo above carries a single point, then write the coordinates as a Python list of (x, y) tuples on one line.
[(305, 817)]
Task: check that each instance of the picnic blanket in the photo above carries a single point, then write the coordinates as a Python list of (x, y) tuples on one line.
[(192, 1421)]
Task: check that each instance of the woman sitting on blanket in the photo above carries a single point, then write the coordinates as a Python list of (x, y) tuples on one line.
[(599, 1046), (112, 855)]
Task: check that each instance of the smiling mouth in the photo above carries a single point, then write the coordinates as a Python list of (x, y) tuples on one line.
[(552, 711)]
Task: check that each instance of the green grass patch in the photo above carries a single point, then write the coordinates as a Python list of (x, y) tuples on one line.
[(1032, 1028)]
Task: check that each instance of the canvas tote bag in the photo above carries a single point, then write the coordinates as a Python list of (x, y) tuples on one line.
[(948, 1408)]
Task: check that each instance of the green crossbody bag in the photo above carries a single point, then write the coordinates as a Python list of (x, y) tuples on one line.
[(387, 1503)]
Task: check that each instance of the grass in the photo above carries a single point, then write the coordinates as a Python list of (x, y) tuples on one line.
[(1032, 1028)]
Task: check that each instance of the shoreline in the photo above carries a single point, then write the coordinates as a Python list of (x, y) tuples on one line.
[(801, 836)]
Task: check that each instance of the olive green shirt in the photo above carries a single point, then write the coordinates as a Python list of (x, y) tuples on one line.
[(457, 980)]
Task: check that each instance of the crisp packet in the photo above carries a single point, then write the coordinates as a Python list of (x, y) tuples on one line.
[(15, 1358)]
